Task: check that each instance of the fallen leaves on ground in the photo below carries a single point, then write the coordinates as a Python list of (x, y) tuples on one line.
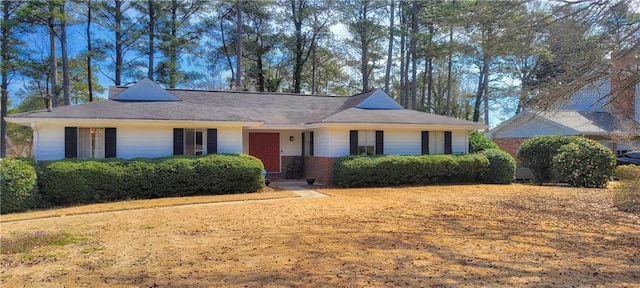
[(463, 235)]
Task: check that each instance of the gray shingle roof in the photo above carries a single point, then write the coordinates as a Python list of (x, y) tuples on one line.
[(590, 122), (269, 108)]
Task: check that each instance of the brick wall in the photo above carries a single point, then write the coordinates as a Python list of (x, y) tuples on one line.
[(622, 84), (292, 167), (510, 145), (319, 168)]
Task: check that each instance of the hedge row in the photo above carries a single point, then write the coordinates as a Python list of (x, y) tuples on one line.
[(584, 163), (74, 181), (392, 170), (18, 186), (502, 169), (537, 154), (576, 160)]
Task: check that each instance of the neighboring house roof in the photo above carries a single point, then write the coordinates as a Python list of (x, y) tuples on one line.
[(146, 100), (569, 123)]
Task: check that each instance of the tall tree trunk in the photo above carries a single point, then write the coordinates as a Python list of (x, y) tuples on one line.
[(226, 53), (364, 57), (423, 92), (239, 46), (152, 20), (173, 53), (486, 96), (4, 47), (297, 23), (484, 76), (89, 55), (430, 85), (387, 74), (53, 60), (449, 65), (403, 69), (414, 57), (259, 67), (118, 28), (313, 69), (66, 83)]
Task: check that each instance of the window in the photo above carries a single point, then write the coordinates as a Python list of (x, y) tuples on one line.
[(91, 143), (193, 142), (366, 142), (307, 143)]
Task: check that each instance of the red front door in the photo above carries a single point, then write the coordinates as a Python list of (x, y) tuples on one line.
[(266, 147)]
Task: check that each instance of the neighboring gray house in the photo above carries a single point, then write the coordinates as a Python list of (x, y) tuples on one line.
[(610, 116), (293, 134)]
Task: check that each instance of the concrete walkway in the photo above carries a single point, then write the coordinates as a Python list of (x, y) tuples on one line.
[(298, 187)]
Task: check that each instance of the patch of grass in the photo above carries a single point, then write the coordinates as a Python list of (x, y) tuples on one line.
[(627, 196), (91, 249), (27, 241)]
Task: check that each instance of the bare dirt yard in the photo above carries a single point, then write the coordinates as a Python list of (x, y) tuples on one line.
[(436, 236)]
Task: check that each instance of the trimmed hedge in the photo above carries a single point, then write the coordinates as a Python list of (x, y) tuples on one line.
[(478, 142), (502, 167), (584, 163), (18, 185), (75, 181), (394, 170), (627, 172), (537, 154), (627, 197)]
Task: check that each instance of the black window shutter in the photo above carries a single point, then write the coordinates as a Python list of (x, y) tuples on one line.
[(70, 142), (110, 143), (212, 141), (448, 149), (353, 142), (310, 143), (425, 142), (302, 137), (379, 142), (178, 141)]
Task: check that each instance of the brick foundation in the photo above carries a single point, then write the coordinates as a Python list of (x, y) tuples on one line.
[(510, 145), (319, 168), (292, 167)]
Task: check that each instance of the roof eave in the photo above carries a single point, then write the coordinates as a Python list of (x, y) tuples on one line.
[(398, 125), (33, 121)]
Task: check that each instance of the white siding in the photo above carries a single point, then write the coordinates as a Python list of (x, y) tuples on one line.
[(288, 147), (50, 144), (229, 139), (403, 141), (460, 142), (331, 142), (334, 142), (525, 128), (148, 141)]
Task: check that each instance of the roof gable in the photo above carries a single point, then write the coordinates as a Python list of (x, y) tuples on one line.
[(145, 90), (380, 101)]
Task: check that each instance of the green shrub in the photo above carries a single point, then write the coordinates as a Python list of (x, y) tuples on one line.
[(502, 167), (627, 197), (584, 163), (74, 181), (18, 186), (478, 141), (627, 172), (537, 154), (394, 170)]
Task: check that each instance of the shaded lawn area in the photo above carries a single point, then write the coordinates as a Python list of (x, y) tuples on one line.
[(466, 235)]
